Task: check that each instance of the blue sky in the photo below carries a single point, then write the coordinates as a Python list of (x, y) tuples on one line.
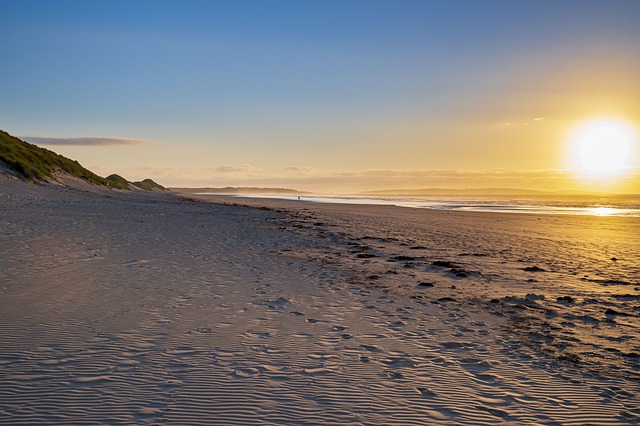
[(298, 93)]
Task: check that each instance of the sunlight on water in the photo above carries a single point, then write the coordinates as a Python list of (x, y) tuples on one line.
[(603, 211), (522, 206)]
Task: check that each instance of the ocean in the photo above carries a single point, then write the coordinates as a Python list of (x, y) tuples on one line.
[(606, 205)]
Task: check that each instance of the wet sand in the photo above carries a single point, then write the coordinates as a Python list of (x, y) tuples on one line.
[(139, 308), (570, 285)]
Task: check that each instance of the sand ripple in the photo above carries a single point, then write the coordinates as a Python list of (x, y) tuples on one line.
[(150, 311)]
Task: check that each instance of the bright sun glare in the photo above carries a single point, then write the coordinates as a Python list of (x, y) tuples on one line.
[(603, 146)]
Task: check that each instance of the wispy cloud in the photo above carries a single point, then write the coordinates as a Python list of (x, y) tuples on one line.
[(357, 181), (160, 169), (233, 168), (84, 141), (299, 169), (497, 178), (344, 182), (525, 122)]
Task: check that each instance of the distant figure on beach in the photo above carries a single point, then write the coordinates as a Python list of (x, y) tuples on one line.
[(298, 197)]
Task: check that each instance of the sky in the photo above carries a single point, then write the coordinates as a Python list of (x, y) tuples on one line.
[(329, 96)]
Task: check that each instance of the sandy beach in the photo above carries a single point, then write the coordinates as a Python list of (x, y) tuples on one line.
[(152, 308), (571, 284)]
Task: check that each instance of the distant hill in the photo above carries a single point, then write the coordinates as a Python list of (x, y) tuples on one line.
[(238, 190), (469, 191), (149, 185), (40, 164)]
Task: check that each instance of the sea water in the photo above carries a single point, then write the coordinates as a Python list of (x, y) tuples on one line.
[(609, 205)]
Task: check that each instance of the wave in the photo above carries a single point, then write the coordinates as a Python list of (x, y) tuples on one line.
[(628, 206)]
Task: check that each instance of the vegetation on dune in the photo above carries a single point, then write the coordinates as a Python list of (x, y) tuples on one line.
[(149, 185), (118, 181), (38, 164)]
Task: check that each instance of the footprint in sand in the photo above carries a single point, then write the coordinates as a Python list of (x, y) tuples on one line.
[(278, 303), (474, 365), (425, 392), (245, 372), (257, 334), (398, 362), (371, 348)]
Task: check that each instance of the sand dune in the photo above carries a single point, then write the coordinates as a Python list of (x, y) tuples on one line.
[(145, 309)]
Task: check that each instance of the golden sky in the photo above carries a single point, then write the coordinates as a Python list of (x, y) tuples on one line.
[(328, 96)]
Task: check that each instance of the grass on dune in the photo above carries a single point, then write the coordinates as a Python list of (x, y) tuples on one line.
[(39, 164)]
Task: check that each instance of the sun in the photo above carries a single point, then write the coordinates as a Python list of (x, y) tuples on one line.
[(603, 147)]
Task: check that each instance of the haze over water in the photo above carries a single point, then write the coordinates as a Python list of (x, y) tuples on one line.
[(606, 205)]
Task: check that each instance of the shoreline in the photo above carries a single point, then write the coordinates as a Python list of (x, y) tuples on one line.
[(145, 309), (569, 284), (479, 204)]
